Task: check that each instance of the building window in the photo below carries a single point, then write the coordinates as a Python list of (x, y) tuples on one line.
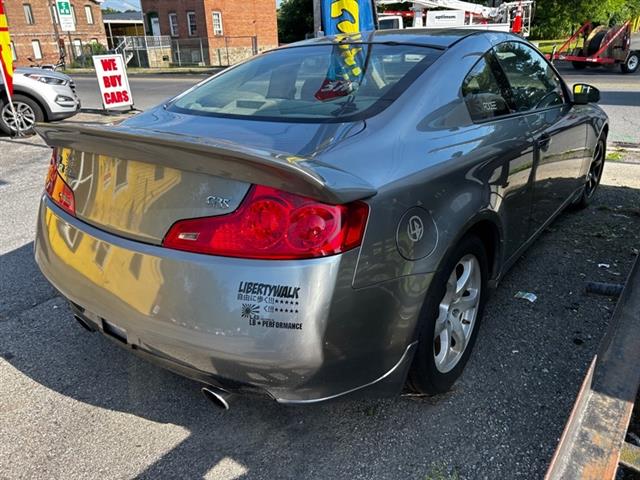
[(217, 23), (77, 47), (121, 174), (173, 24), (37, 52), (28, 13), (89, 13), (158, 173), (191, 22), (73, 12), (14, 55), (135, 264), (54, 15), (102, 250)]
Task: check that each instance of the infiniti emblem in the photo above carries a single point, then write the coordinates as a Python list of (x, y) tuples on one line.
[(415, 229)]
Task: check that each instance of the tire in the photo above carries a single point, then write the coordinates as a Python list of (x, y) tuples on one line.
[(593, 176), (632, 64), (28, 109), (577, 52), (431, 371)]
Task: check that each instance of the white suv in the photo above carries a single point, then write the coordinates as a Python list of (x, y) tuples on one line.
[(39, 95)]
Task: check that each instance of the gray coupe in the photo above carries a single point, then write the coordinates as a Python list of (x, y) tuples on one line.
[(328, 217)]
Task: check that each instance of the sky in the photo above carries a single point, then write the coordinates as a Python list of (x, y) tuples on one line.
[(122, 4)]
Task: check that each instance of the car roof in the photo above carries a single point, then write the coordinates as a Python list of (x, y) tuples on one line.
[(436, 38)]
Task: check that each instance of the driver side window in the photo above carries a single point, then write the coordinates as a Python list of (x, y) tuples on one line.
[(533, 82)]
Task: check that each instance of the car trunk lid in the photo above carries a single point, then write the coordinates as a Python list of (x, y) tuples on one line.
[(136, 182)]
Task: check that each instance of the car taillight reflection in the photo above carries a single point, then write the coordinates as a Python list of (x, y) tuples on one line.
[(57, 188)]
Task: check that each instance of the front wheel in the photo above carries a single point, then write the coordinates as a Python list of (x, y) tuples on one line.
[(593, 176), (450, 318), (22, 119), (632, 63)]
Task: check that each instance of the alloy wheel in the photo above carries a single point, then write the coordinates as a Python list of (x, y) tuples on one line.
[(24, 118), (457, 313), (632, 62), (595, 171)]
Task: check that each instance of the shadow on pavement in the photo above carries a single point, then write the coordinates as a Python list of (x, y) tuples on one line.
[(22, 286)]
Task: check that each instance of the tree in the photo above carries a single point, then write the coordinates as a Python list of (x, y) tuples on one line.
[(295, 20), (558, 18)]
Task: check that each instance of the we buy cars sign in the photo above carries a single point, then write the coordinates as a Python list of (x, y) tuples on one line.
[(113, 81)]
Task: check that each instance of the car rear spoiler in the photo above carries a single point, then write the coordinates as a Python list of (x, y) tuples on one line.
[(220, 158)]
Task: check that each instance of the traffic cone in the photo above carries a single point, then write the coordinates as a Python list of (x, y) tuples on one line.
[(517, 22)]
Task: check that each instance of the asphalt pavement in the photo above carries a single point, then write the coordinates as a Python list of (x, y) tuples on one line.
[(620, 98), (75, 405)]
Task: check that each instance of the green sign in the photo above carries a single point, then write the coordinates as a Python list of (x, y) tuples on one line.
[(64, 8), (65, 16)]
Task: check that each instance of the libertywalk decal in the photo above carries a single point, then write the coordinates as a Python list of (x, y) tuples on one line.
[(270, 305)]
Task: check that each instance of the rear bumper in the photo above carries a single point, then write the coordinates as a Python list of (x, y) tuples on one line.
[(294, 330)]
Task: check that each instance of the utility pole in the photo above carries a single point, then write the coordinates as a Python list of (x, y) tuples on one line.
[(317, 18), (54, 16)]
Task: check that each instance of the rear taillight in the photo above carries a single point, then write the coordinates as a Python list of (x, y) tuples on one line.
[(272, 224), (57, 188)]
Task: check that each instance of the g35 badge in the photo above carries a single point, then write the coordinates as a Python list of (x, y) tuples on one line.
[(218, 202)]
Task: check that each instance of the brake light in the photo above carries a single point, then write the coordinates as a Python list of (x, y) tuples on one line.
[(272, 224), (57, 188)]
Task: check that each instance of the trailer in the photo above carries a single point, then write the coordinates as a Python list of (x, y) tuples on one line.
[(595, 45)]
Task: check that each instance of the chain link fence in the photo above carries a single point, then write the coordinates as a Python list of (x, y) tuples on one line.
[(77, 54)]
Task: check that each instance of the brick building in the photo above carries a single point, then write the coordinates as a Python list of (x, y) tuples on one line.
[(207, 30), (35, 30)]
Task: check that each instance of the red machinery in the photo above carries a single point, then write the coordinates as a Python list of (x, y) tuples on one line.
[(600, 46)]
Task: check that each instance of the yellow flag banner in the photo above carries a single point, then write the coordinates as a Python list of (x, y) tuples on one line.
[(6, 57)]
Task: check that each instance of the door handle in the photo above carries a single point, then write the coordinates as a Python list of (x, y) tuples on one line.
[(544, 142)]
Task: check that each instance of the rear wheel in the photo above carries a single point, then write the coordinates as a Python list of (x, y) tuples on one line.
[(594, 176), (450, 318), (27, 113), (632, 63)]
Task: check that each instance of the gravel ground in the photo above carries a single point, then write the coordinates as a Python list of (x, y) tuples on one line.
[(74, 405)]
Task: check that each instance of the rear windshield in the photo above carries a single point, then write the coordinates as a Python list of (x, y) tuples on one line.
[(320, 83)]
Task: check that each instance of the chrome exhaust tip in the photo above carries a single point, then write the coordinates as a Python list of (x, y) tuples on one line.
[(219, 397)]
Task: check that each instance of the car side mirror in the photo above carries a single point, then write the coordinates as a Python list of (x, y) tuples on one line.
[(584, 94)]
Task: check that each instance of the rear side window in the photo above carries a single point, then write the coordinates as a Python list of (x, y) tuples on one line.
[(482, 93), (534, 84)]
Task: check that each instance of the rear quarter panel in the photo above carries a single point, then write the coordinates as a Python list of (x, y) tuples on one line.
[(424, 151)]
